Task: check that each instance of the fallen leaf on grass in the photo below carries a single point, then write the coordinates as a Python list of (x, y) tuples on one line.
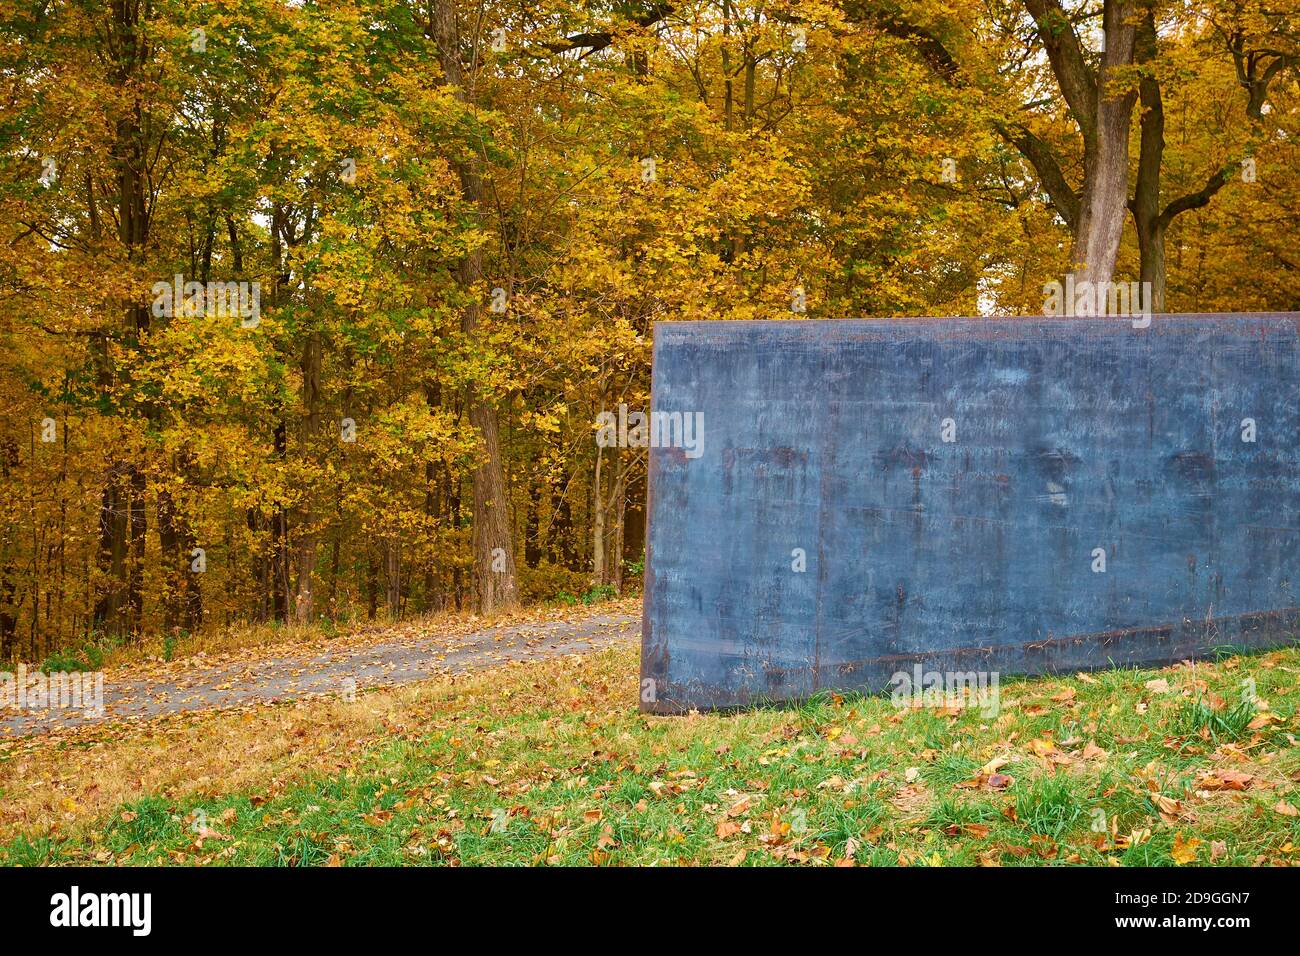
[(1092, 752), (1171, 810), (1041, 748), (977, 830), (1224, 780), (740, 806), (988, 781), (1263, 720), (1184, 851)]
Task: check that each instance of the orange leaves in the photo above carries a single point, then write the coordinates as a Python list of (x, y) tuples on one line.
[(988, 781), (976, 830), (1223, 780), (1171, 810), (1042, 748), (1185, 849), (1265, 719), (740, 807), (727, 828)]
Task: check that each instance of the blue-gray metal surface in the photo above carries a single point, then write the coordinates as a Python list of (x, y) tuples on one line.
[(1068, 439)]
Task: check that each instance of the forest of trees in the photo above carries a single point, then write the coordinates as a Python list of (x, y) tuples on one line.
[(463, 220)]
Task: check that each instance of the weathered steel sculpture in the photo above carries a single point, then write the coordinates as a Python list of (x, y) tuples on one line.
[(1011, 495)]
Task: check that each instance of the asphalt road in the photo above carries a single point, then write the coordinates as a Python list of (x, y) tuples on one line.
[(412, 657)]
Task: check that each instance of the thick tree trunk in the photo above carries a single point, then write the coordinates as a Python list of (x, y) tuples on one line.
[(1151, 220), (1150, 224), (494, 558), (1104, 117), (122, 521)]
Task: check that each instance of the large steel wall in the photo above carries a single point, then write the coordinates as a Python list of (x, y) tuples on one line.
[(1070, 435)]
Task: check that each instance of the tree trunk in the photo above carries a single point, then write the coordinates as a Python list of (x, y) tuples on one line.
[(598, 574), (112, 552), (139, 530), (1146, 195), (122, 522), (9, 457), (182, 599), (280, 538), (1151, 220), (559, 540), (393, 575), (533, 523), (494, 559), (620, 514), (433, 597), (308, 538), (1104, 119), (372, 582)]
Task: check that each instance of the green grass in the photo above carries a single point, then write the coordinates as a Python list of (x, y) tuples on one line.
[(551, 763), (1199, 718)]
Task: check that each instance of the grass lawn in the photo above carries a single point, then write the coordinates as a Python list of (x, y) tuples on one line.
[(550, 763)]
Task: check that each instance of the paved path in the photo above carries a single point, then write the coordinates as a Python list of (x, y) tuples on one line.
[(341, 672)]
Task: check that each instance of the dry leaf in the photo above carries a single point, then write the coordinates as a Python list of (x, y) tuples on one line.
[(1184, 851), (727, 829), (1224, 780)]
